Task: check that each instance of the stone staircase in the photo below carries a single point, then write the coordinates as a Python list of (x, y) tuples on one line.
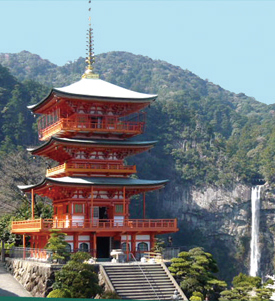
[(141, 281)]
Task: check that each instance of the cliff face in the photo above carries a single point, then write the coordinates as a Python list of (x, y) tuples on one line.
[(220, 220)]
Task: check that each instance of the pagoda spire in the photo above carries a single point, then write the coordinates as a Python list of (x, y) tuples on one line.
[(90, 56)]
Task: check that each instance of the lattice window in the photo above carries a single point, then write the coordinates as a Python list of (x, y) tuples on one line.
[(143, 246), (119, 208), (84, 247), (78, 208)]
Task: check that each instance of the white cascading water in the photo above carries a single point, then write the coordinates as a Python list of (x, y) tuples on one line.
[(255, 225)]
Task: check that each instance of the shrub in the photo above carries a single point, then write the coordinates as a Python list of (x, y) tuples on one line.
[(78, 277), (60, 293)]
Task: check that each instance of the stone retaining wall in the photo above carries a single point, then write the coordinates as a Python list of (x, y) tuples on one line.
[(36, 277)]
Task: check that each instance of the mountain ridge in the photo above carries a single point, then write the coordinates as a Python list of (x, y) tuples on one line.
[(28, 66)]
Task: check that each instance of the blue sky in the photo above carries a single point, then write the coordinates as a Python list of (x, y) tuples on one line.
[(231, 43)]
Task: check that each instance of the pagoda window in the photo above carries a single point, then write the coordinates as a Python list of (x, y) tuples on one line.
[(67, 209), (142, 247), (96, 212), (124, 245), (119, 208), (78, 208), (83, 247), (68, 248)]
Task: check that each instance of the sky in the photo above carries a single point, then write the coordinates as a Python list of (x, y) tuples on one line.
[(230, 43)]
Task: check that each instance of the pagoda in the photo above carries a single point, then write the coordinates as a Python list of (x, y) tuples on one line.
[(86, 127)]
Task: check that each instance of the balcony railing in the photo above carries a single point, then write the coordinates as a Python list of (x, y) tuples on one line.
[(83, 124), (160, 225), (85, 168)]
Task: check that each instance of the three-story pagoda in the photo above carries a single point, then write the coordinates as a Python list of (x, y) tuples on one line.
[(86, 128)]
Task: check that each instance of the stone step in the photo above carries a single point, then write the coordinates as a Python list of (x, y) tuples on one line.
[(125, 266), (138, 283), (145, 295), (135, 270), (144, 285), (131, 282), (138, 277), (148, 289)]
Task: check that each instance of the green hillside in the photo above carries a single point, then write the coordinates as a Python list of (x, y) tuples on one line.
[(206, 134)]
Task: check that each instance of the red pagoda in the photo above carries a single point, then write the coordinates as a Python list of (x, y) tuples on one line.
[(86, 127)]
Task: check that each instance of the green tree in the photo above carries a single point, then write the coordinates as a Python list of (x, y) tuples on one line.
[(78, 277), (159, 246), (247, 288), (195, 271), (58, 293), (58, 245), (196, 296)]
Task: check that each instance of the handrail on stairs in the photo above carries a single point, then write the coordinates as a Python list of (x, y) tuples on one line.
[(144, 275)]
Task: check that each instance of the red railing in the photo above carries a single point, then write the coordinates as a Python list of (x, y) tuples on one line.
[(101, 224), (35, 224), (90, 167), (81, 122)]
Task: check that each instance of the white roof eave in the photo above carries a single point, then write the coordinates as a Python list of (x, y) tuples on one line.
[(102, 89)]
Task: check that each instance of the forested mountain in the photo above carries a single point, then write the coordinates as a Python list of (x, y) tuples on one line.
[(211, 141), (210, 135), (16, 121)]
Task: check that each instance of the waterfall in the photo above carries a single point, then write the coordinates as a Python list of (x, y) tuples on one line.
[(255, 225)]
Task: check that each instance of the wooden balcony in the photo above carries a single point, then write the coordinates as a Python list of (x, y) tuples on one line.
[(68, 169), (107, 225), (83, 125)]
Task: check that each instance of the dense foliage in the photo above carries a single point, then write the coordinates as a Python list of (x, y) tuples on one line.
[(195, 271), (58, 246), (17, 128), (78, 278), (247, 288)]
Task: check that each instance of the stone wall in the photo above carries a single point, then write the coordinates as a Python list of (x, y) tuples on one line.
[(36, 277)]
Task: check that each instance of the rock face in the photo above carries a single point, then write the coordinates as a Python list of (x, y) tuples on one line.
[(36, 277), (219, 219)]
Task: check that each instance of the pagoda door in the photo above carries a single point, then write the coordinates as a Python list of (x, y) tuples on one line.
[(95, 217)]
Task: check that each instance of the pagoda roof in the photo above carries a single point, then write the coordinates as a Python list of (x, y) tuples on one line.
[(69, 141), (96, 181), (96, 89)]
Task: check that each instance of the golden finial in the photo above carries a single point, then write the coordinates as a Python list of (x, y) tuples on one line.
[(90, 58)]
